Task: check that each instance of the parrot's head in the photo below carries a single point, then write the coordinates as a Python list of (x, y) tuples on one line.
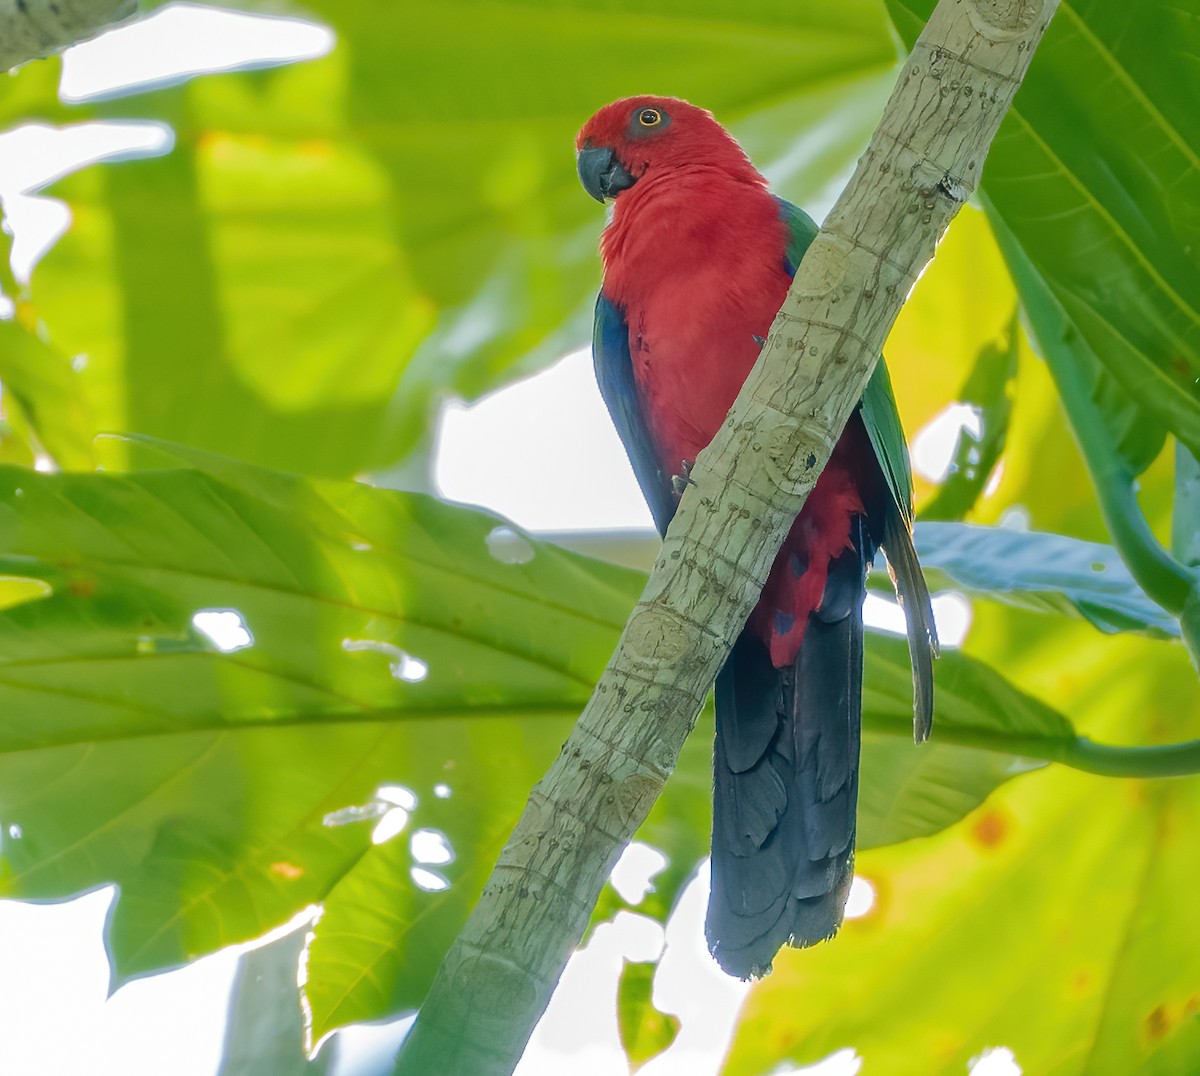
[(638, 138)]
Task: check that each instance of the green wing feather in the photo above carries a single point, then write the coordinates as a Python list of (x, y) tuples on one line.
[(882, 422)]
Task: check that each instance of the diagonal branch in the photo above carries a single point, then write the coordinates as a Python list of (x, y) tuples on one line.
[(31, 29), (921, 165)]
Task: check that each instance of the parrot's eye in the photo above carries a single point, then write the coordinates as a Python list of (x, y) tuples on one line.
[(649, 117)]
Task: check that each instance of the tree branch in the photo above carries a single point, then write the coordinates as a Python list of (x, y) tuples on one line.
[(923, 162), (31, 29)]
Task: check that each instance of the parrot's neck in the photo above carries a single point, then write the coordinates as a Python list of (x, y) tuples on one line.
[(698, 224)]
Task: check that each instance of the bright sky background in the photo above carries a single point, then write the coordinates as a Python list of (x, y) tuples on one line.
[(542, 453)]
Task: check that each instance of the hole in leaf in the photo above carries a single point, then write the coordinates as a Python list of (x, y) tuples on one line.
[(509, 547), (226, 629), (431, 846), (429, 880), (390, 825), (404, 666)]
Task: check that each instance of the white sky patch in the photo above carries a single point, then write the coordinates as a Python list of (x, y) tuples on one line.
[(182, 40), (542, 452), (226, 629), (578, 1032), (633, 876), (861, 899), (844, 1062), (431, 881), (994, 1061), (390, 825), (883, 614), (952, 614), (35, 155), (443, 792), (165, 1023), (399, 802), (934, 445), (398, 795), (509, 547), (432, 847)]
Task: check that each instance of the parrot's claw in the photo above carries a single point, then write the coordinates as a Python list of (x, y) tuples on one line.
[(760, 340), (681, 481)]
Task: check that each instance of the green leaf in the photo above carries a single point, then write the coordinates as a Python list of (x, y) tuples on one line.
[(43, 384), (1164, 580), (1185, 520), (333, 246), (645, 1032), (1064, 924), (985, 733), (203, 783), (1131, 431), (1044, 572), (206, 784), (265, 1028), (989, 390), (1096, 171)]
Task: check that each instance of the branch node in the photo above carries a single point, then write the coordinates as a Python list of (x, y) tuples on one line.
[(1002, 20)]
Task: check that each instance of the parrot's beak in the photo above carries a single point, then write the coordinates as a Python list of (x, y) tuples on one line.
[(603, 176)]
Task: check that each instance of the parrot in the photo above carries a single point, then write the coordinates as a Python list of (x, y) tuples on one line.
[(697, 256)]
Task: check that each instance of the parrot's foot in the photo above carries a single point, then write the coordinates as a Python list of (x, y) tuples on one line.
[(681, 481), (760, 340)]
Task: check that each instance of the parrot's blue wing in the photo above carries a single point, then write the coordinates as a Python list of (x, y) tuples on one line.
[(614, 374), (882, 421)]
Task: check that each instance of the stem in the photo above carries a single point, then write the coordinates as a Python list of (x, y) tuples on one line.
[(1164, 579), (1078, 752)]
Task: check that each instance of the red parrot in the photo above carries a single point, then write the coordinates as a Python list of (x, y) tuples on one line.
[(697, 257)]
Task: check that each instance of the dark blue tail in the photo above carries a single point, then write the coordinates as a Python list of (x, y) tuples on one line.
[(785, 781)]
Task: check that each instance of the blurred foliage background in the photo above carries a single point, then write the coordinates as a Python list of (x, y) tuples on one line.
[(218, 381)]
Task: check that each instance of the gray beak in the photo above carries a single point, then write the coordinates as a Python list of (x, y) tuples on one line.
[(603, 176)]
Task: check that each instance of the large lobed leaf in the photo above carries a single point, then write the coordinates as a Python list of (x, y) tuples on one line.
[(213, 787), (1096, 171), (1040, 924), (330, 247)]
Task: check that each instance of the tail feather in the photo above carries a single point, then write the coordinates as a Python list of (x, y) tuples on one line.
[(913, 593), (785, 796)]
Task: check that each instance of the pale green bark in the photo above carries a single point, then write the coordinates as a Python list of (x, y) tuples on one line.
[(31, 29)]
